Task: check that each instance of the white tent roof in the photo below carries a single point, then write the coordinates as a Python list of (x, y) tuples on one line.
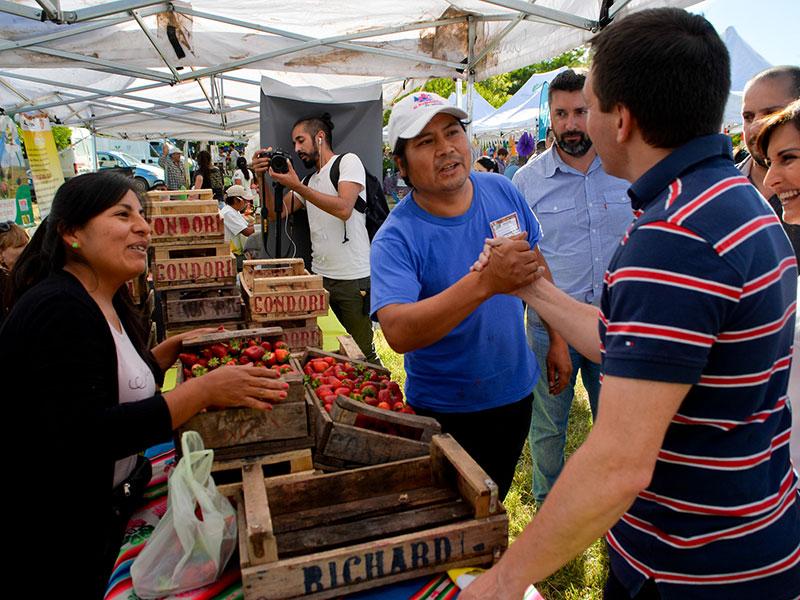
[(135, 62), (521, 111), (745, 63), (480, 106)]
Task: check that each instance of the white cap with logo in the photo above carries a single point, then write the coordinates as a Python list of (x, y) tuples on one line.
[(414, 112), (236, 190)]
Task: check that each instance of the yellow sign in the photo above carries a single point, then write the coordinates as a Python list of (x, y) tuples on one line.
[(40, 147)]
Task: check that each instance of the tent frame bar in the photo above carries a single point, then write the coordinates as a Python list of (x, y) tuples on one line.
[(550, 14)]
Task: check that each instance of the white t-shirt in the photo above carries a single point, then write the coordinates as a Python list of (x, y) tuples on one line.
[(135, 383), (234, 223), (794, 394), (329, 256), (245, 183)]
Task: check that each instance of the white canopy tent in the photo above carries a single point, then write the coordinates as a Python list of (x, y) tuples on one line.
[(139, 68), (480, 106), (520, 112), (745, 63)]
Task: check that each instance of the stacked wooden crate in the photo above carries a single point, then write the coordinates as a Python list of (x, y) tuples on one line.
[(280, 292), (191, 263)]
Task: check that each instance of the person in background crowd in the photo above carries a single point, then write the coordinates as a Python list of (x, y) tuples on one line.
[(463, 337), (174, 173), (208, 177), (234, 158), (584, 212), (339, 240), (768, 92), (501, 158), (92, 389), (485, 165), (13, 240), (237, 227), (779, 143), (687, 469), (244, 177), (550, 138)]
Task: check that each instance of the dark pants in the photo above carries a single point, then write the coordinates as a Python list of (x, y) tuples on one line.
[(493, 437), (350, 303), (614, 590)]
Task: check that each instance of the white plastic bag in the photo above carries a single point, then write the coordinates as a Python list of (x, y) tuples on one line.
[(194, 540)]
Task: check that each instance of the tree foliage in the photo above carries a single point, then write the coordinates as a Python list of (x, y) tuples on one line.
[(578, 57)]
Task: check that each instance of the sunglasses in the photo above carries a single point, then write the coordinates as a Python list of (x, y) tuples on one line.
[(6, 226)]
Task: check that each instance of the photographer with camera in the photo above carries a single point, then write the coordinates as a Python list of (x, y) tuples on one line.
[(339, 239)]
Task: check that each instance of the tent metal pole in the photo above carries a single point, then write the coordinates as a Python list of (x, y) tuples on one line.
[(94, 145), (106, 64), (79, 98), (106, 9), (27, 12), (76, 30), (459, 93), (555, 16), (13, 90), (497, 39), (155, 45), (53, 13), (143, 111), (470, 73), (617, 7), (309, 42)]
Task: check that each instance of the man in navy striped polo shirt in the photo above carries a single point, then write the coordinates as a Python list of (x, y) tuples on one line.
[(687, 469)]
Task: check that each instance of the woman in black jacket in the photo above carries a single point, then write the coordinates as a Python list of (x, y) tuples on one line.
[(84, 413)]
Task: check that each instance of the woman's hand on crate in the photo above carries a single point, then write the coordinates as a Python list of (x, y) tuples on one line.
[(234, 386)]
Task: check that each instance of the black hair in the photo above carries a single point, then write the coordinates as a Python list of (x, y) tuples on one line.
[(313, 124), (501, 151), (489, 164), (76, 203), (669, 68), (789, 72), (566, 81), (241, 164), (204, 165), (400, 153)]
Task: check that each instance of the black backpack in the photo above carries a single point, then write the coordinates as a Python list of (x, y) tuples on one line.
[(374, 207)]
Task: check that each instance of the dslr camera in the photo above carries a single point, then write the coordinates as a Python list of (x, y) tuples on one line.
[(279, 160)]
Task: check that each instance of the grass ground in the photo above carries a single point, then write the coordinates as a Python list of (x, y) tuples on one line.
[(582, 578)]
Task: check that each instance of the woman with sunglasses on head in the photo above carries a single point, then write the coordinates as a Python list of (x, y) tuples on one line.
[(779, 142), (74, 345), (13, 239)]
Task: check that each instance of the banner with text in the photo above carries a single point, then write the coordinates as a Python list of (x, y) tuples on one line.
[(40, 147), (15, 194)]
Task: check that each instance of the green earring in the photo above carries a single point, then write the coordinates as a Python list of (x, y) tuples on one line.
[(76, 245)]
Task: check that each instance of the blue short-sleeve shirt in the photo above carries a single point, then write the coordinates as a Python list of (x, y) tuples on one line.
[(485, 361)]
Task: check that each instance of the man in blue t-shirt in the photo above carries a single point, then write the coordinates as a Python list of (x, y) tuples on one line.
[(687, 470), (466, 358)]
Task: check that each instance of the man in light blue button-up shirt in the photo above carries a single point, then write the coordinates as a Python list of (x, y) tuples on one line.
[(584, 213)]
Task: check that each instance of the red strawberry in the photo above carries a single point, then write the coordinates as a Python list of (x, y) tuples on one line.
[(243, 359), (384, 405), (253, 353), (286, 369), (330, 360), (319, 366), (281, 345), (198, 371), (281, 355), (266, 346), (368, 389), (342, 391), (384, 396), (219, 351), (324, 390), (188, 359), (206, 353), (187, 374), (398, 407)]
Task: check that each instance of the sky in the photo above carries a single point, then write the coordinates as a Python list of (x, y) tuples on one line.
[(770, 27)]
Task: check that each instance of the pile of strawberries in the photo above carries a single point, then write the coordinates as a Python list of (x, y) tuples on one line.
[(330, 378), (237, 352)]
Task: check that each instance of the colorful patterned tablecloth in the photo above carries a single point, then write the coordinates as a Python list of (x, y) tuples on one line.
[(229, 586)]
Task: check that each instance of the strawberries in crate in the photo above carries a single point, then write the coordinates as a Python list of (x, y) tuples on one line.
[(330, 378), (237, 352)]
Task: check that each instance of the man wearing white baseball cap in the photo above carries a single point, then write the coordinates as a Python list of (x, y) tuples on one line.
[(237, 228), (466, 357)]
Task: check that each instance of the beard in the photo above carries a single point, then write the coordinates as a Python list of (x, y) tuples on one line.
[(309, 160), (577, 148)]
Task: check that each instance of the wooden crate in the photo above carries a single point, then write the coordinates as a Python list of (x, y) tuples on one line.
[(228, 473), (193, 265), (184, 221), (291, 297), (327, 536), (300, 334), (137, 287), (184, 327), (341, 444), (178, 195), (245, 432), (203, 305)]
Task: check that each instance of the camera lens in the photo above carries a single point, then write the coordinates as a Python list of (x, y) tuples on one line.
[(279, 164)]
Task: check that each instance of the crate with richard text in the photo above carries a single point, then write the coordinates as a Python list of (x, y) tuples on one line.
[(330, 535), (281, 289), (359, 414), (245, 432)]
